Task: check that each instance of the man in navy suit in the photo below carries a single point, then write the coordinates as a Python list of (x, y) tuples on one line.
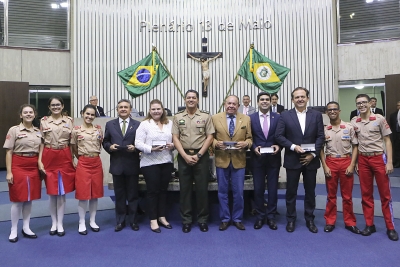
[(119, 140), (263, 126), (296, 127)]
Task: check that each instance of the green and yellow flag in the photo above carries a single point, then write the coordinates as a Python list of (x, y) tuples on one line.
[(144, 75), (263, 72)]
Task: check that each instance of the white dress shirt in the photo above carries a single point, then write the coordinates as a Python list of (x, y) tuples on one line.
[(302, 120)]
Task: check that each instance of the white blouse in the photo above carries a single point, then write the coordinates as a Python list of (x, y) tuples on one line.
[(147, 132)]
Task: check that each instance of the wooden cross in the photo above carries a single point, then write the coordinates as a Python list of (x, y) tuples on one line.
[(204, 58)]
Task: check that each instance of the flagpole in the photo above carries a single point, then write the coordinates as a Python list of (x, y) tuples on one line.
[(234, 80), (169, 73)]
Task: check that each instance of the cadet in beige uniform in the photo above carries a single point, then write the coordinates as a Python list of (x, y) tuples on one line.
[(192, 134), (341, 155), (86, 144), (22, 144), (372, 131), (55, 159)]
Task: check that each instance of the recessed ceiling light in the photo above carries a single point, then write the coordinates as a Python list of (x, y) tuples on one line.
[(64, 4), (359, 87), (55, 6)]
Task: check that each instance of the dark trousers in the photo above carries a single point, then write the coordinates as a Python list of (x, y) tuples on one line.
[(157, 179), (309, 182), (259, 174), (396, 148), (126, 190), (199, 173)]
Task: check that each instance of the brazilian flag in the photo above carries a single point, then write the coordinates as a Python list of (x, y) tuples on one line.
[(144, 75), (263, 72)]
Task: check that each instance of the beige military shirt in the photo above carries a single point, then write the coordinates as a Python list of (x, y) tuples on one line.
[(88, 141), (56, 132), (370, 133), (339, 141), (23, 140), (192, 129)]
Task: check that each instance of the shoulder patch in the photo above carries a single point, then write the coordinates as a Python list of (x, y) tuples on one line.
[(97, 126), (77, 127), (44, 118), (8, 137)]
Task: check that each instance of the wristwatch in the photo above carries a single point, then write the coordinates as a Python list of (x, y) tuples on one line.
[(199, 155)]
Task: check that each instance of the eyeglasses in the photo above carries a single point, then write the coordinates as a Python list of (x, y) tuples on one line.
[(332, 109), (55, 105), (362, 103), (93, 100)]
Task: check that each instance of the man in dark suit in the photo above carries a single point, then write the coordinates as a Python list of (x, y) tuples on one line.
[(354, 113), (99, 110), (263, 126), (119, 140), (374, 109), (296, 127), (275, 107), (395, 127)]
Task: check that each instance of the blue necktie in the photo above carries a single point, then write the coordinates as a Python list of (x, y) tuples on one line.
[(231, 126)]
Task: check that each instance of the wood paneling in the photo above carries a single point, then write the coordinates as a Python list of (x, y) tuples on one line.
[(392, 85), (12, 96)]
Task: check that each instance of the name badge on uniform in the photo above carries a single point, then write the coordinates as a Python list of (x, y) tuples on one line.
[(66, 125), (345, 137), (375, 124), (346, 131), (21, 136)]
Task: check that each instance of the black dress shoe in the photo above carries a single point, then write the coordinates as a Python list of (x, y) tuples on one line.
[(272, 224), (258, 224), (311, 227), (290, 226), (186, 227), (203, 227), (392, 234), (119, 227), (28, 236), (368, 230), (97, 229), (329, 228), (83, 232), (224, 225), (157, 230), (168, 226), (239, 225), (135, 226), (353, 229), (61, 233), (53, 232), (13, 240)]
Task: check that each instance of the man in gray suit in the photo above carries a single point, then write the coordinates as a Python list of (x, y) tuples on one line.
[(246, 108)]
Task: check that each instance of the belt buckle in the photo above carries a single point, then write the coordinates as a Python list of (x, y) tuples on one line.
[(338, 156), (191, 151)]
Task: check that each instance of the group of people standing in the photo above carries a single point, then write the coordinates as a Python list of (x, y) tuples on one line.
[(147, 147), (48, 153)]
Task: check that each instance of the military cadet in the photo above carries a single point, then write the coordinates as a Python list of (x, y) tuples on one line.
[(192, 134), (22, 149), (341, 155), (86, 144), (55, 160), (373, 135)]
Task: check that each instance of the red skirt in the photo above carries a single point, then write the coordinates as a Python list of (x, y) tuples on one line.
[(27, 185), (60, 172), (89, 178)]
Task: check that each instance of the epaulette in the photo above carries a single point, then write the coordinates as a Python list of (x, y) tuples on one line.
[(372, 118), (77, 127), (329, 127), (204, 111), (97, 126), (358, 119), (181, 110), (45, 118), (71, 119), (342, 126)]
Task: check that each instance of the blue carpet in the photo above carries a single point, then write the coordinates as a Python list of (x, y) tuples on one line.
[(232, 247)]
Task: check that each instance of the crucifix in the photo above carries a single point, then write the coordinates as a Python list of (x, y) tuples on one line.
[(204, 58)]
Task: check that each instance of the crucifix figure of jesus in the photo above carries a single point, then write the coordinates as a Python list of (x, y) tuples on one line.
[(205, 70), (204, 58)]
